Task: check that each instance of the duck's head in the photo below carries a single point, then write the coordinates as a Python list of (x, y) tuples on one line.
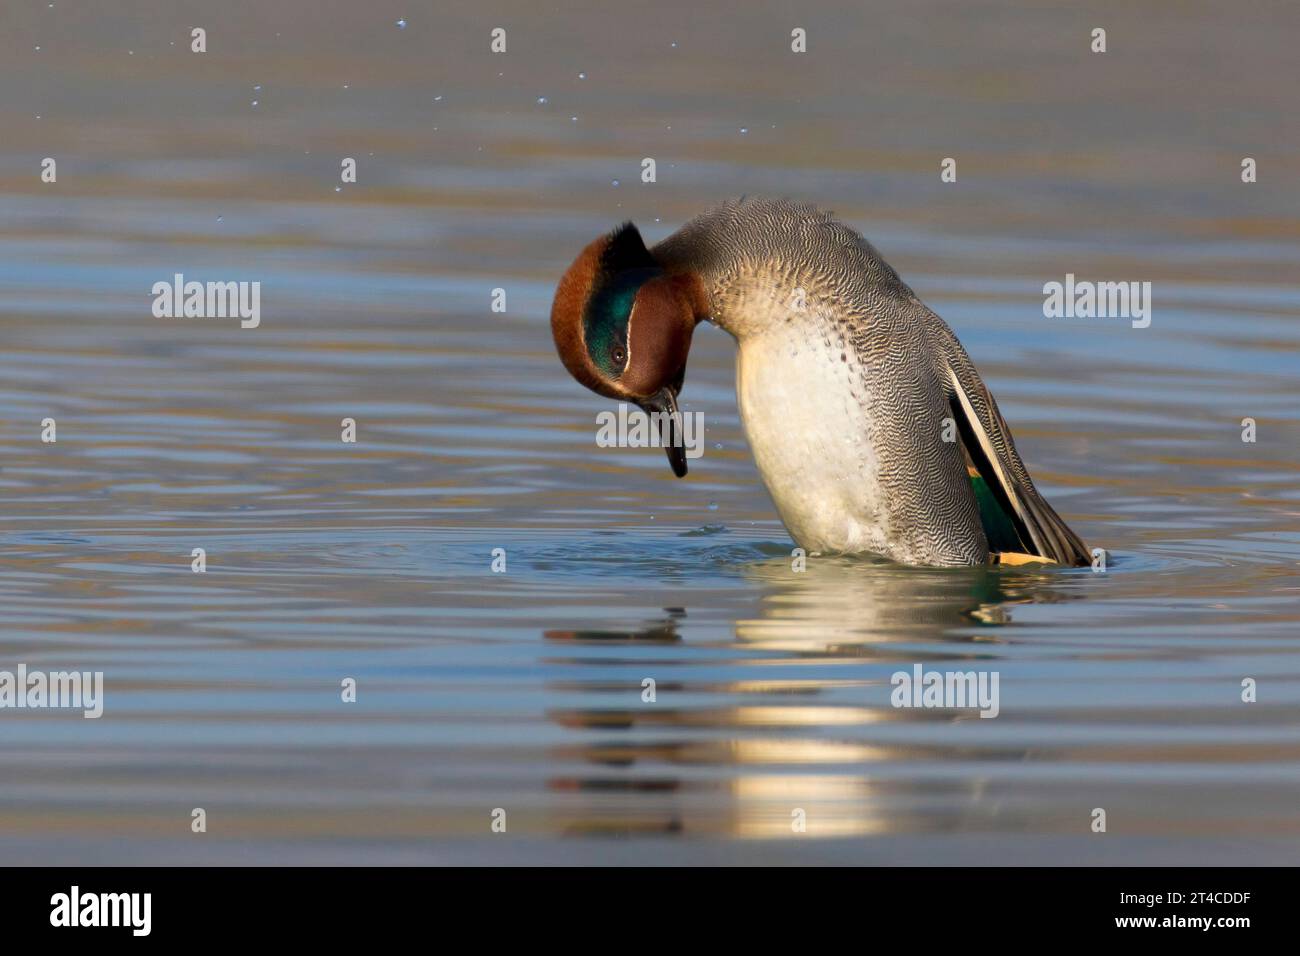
[(623, 325)]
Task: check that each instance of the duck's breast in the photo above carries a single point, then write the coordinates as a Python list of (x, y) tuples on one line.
[(805, 407)]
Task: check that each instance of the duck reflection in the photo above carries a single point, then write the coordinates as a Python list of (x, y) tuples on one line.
[(793, 755), (855, 606), (653, 632)]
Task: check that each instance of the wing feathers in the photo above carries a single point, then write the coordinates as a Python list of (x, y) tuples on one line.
[(988, 441)]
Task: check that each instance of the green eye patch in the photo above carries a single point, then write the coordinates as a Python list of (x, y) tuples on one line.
[(605, 320)]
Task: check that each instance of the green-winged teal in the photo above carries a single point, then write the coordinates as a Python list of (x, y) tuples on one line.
[(870, 425)]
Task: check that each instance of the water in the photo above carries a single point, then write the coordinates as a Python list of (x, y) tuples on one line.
[(523, 690)]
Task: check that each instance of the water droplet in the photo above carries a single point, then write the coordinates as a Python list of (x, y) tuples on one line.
[(713, 506), (717, 446), (338, 189), (543, 100), (221, 219), (254, 104), (437, 99), (582, 76), (401, 24), (616, 182), (674, 45), (573, 119), (38, 49), (744, 129), (257, 87)]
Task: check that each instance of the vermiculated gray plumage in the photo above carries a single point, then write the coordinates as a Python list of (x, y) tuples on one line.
[(796, 286)]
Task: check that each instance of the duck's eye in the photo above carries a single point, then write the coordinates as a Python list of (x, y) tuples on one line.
[(619, 355)]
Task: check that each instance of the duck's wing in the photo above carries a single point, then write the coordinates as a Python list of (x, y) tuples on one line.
[(1034, 524)]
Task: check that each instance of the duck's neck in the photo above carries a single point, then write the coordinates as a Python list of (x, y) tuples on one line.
[(701, 250), (743, 295)]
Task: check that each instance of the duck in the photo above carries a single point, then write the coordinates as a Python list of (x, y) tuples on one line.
[(870, 426)]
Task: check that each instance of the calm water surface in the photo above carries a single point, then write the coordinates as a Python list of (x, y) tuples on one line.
[(522, 690)]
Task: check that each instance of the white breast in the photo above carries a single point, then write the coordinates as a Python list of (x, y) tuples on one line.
[(804, 412)]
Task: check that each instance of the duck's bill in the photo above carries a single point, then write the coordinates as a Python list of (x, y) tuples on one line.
[(662, 407)]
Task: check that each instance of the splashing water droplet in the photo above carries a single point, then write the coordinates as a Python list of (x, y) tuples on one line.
[(713, 506), (401, 24), (543, 100)]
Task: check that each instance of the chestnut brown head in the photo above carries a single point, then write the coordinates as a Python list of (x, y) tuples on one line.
[(623, 325)]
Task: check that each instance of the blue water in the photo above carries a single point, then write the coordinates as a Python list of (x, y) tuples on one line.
[(522, 690)]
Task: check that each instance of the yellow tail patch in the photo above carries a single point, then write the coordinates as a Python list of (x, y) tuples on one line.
[(1010, 557)]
